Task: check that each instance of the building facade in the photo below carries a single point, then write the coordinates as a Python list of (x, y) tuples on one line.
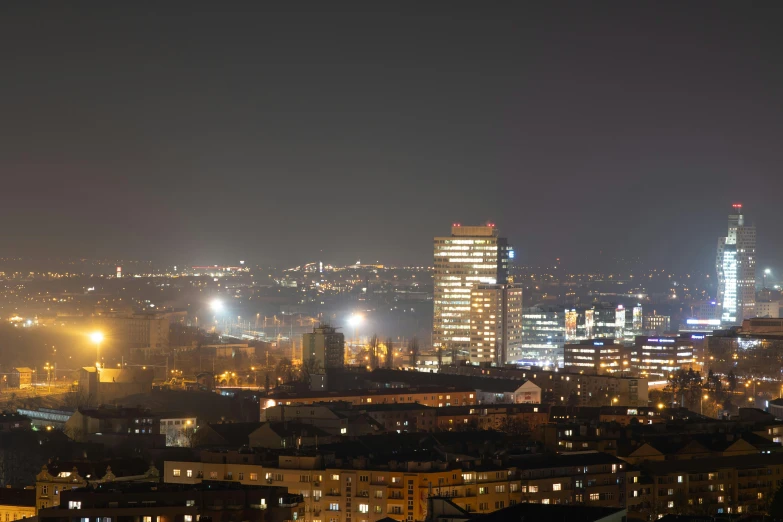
[(495, 323), (470, 256), (595, 356), (325, 346), (736, 267), (654, 358), (543, 336), (363, 492)]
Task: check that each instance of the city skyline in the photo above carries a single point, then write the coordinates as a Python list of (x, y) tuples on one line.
[(256, 133)]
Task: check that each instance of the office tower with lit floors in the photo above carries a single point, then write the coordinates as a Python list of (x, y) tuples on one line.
[(470, 256), (495, 323), (736, 267)]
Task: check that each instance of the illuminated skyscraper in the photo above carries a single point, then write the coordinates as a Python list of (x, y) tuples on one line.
[(736, 266), (471, 256), (495, 323)]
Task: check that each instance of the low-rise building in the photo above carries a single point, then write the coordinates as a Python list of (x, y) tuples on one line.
[(17, 503), (435, 396), (503, 417), (113, 426), (104, 385), (21, 377), (14, 422), (178, 428), (57, 477), (168, 502)]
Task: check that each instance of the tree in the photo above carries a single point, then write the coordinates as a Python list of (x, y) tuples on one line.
[(285, 369), (389, 353), (776, 505), (413, 351), (373, 352), (310, 366)]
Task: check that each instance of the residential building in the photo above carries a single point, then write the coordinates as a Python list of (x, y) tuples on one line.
[(57, 477), (654, 358), (495, 323), (470, 256), (216, 501), (434, 396), (558, 386), (124, 333), (363, 490), (595, 356), (17, 503), (14, 422), (508, 417), (732, 485), (325, 347), (443, 509), (736, 267)]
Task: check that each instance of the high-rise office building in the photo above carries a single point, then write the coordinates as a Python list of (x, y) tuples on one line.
[(543, 336), (470, 256), (324, 347), (495, 323), (736, 266)]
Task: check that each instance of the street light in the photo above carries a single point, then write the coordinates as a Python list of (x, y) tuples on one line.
[(97, 338), (767, 272), (701, 403), (354, 321), (216, 305)]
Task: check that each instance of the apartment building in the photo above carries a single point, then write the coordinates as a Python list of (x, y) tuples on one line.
[(558, 386), (734, 485), (492, 417), (62, 476), (434, 396), (171, 502), (360, 491)]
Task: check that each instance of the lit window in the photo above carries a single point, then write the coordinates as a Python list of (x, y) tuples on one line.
[(555, 487), (73, 504), (176, 473), (364, 508)]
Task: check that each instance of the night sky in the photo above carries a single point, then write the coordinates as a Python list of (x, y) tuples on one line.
[(218, 131)]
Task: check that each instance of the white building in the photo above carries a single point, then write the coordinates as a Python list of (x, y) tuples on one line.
[(470, 256), (768, 309), (736, 266)]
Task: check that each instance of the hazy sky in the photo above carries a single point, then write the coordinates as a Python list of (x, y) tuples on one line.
[(220, 131)]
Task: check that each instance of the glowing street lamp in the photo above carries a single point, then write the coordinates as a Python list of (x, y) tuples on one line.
[(767, 272), (355, 320), (701, 403), (97, 338), (216, 305)]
